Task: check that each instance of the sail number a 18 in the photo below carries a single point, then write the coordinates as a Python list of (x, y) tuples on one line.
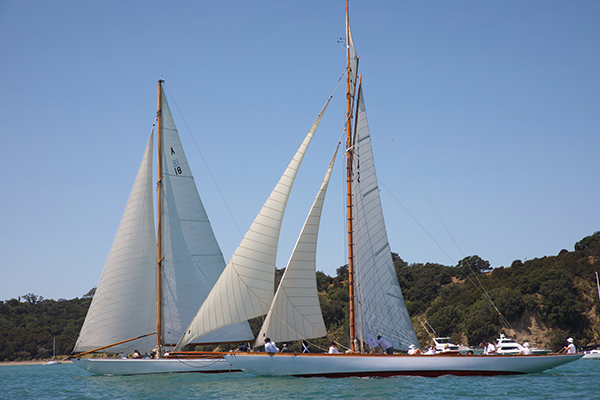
[(177, 167)]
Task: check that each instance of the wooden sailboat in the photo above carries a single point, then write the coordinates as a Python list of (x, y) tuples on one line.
[(157, 276), (376, 303)]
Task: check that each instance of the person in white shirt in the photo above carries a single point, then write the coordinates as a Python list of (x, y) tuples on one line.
[(270, 347), (489, 348), (431, 350), (569, 349), (333, 349), (413, 350), (385, 345), (526, 350)]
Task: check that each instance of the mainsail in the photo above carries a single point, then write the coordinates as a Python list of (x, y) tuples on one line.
[(124, 305), (193, 260), (245, 289), (380, 302), (295, 312)]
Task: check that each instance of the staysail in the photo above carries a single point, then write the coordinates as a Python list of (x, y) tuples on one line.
[(295, 312), (381, 306), (245, 289), (124, 305), (193, 260)]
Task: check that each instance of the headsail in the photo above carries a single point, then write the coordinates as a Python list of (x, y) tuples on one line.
[(381, 304), (245, 289), (295, 312), (124, 305), (193, 260)]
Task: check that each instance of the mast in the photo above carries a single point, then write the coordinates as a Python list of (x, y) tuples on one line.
[(159, 256), (349, 187)]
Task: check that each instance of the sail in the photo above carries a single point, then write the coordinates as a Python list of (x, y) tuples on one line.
[(124, 305), (193, 260), (380, 302), (295, 312), (352, 63), (245, 289)]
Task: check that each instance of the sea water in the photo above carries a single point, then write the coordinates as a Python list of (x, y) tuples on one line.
[(578, 380)]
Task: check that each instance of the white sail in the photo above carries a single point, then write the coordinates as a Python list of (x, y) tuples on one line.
[(295, 312), (245, 289), (380, 302), (124, 305), (193, 260)]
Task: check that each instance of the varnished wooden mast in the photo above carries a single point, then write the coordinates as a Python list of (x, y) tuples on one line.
[(159, 256), (349, 153)]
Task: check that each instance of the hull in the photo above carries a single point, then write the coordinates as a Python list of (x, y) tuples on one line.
[(129, 366), (592, 355), (363, 365)]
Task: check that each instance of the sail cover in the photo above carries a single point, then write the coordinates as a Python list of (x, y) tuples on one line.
[(295, 312), (193, 260), (124, 305), (380, 302), (245, 289)]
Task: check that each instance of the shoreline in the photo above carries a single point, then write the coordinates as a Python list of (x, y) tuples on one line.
[(32, 362)]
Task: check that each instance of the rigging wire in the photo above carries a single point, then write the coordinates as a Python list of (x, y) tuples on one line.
[(204, 161), (476, 281)]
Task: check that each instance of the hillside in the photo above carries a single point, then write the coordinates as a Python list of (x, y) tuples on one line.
[(542, 301)]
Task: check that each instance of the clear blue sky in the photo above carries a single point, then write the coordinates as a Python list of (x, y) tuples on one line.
[(494, 105)]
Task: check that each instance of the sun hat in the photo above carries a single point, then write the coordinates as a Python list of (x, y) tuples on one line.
[(570, 340), (526, 344)]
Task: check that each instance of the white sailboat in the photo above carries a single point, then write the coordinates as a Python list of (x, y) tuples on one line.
[(54, 361), (157, 277), (376, 303)]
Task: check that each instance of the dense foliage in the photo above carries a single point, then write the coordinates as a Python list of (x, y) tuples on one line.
[(29, 324), (543, 301)]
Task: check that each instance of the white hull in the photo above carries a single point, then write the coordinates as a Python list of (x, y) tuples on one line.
[(592, 355), (345, 365), (129, 366)]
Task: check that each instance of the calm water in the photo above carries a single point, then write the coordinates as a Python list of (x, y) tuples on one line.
[(578, 380)]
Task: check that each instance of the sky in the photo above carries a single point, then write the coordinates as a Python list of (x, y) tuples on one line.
[(485, 119)]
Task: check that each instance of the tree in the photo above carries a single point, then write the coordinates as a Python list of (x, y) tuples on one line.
[(475, 264)]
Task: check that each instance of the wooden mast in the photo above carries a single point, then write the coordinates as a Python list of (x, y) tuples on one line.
[(159, 256), (349, 153)]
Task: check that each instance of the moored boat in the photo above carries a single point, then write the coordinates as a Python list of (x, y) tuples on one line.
[(507, 346)]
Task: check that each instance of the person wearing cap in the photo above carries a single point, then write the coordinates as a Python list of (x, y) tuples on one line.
[(569, 349), (385, 345), (526, 350), (413, 350)]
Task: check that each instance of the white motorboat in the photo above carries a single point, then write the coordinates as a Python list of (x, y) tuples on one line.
[(507, 346)]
